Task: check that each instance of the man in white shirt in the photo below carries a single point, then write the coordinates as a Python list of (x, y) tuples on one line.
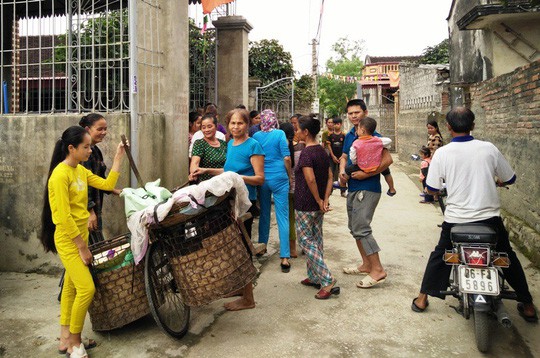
[(472, 170)]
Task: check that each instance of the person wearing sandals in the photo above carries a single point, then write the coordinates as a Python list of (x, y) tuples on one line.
[(277, 172), (472, 198), (364, 193), (65, 228), (245, 156), (313, 186), (295, 149), (209, 154)]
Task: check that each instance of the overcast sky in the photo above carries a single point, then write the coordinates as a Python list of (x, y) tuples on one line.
[(388, 27)]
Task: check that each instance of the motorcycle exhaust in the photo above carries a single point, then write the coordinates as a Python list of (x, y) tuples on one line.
[(502, 316)]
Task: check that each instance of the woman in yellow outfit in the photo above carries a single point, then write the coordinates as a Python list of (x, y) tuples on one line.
[(65, 228)]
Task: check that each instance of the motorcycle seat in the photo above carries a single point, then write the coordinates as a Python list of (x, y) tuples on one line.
[(473, 234)]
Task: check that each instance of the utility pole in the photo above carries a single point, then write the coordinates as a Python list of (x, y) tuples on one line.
[(314, 70)]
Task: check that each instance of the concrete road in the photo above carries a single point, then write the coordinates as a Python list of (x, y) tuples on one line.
[(288, 320)]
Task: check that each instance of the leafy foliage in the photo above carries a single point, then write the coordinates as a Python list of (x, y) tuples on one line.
[(268, 61), (101, 57), (303, 91), (105, 36), (345, 61), (437, 54), (202, 62)]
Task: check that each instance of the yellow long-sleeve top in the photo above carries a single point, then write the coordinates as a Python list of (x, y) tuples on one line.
[(68, 196)]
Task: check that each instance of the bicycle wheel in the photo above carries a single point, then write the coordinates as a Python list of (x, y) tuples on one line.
[(166, 303)]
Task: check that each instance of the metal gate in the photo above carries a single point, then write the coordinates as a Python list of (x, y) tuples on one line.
[(202, 67), (277, 96)]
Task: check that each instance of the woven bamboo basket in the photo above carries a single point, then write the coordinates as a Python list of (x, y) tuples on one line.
[(120, 296), (209, 255)]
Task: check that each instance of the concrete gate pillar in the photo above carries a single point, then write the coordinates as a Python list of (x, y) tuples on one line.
[(232, 62)]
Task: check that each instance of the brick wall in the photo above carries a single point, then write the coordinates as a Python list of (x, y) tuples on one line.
[(507, 110)]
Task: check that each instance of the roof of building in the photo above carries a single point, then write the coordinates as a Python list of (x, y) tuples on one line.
[(390, 59), (482, 16)]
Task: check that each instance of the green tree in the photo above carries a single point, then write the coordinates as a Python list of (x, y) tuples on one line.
[(202, 62), (102, 53), (437, 54), (345, 61), (105, 36), (268, 61), (303, 91)]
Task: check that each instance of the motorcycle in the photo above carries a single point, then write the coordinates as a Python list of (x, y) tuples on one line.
[(477, 280)]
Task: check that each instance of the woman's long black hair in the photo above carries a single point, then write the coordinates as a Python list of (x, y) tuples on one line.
[(72, 136), (288, 128)]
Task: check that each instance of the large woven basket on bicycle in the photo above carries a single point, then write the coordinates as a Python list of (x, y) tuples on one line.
[(120, 296), (208, 253)]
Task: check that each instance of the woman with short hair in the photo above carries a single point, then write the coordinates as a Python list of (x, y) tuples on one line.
[(245, 157)]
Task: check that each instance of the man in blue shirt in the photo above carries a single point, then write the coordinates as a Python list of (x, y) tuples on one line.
[(362, 199)]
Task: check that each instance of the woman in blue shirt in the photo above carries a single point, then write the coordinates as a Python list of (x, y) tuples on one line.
[(277, 170), (245, 157)]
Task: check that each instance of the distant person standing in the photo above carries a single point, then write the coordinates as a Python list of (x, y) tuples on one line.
[(194, 125), (324, 136), (294, 122), (255, 122), (295, 155), (435, 140), (277, 173), (335, 144)]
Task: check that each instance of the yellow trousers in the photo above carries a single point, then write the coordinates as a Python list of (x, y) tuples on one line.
[(79, 288)]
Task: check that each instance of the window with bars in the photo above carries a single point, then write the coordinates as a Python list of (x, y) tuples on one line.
[(64, 56)]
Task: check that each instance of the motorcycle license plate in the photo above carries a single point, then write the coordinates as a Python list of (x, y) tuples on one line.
[(478, 280)]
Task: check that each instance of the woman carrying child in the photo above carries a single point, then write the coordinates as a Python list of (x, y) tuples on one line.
[(313, 186), (65, 228)]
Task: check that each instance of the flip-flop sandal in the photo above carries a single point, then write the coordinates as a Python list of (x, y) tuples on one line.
[(88, 344), (353, 271), (261, 254), (415, 308), (389, 193), (285, 268), (521, 310), (307, 282), (368, 282)]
